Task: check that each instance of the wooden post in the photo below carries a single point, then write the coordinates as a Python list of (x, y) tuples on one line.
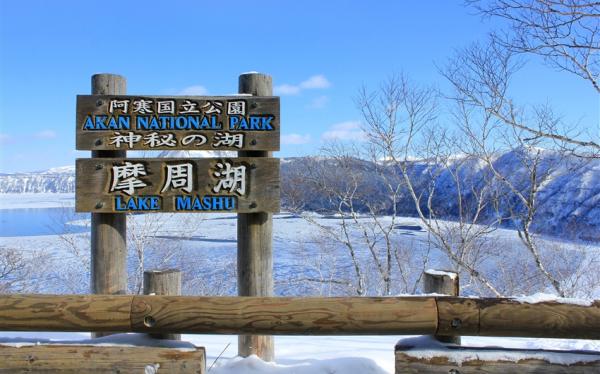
[(255, 239), (443, 283), (163, 282), (109, 231)]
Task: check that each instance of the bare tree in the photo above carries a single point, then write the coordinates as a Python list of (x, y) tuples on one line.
[(154, 240), (565, 33), (401, 120)]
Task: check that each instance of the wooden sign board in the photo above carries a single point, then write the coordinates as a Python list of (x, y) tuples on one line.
[(234, 123), (115, 185)]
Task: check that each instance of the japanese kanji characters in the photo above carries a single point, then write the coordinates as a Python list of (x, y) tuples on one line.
[(188, 107), (130, 139), (166, 107), (142, 106), (179, 176), (226, 139), (212, 107), (155, 139), (230, 178), (123, 105), (236, 108), (125, 177)]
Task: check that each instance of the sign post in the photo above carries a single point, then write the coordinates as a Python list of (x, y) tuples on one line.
[(109, 185), (255, 239), (108, 231)]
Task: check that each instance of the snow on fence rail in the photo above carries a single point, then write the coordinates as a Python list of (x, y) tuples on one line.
[(429, 315)]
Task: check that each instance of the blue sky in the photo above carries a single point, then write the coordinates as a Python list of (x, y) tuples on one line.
[(318, 52)]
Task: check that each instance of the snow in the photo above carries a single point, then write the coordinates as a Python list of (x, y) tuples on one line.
[(213, 238), (543, 297), (428, 348), (326, 354), (126, 340), (253, 364), (449, 274)]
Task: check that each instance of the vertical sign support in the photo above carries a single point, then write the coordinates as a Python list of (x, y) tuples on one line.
[(109, 231), (255, 239)]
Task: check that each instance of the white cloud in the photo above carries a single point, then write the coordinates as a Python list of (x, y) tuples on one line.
[(5, 138), (295, 139), (46, 134), (287, 89), (319, 102), (194, 90), (349, 130), (315, 82)]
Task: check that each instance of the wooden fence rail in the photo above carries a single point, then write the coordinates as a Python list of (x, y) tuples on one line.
[(299, 316)]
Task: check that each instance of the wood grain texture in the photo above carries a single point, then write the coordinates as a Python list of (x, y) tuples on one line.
[(406, 363), (254, 139), (507, 317), (163, 282), (284, 315), (457, 316), (55, 358), (108, 231), (94, 182), (512, 318), (65, 313), (255, 239), (444, 284), (294, 316)]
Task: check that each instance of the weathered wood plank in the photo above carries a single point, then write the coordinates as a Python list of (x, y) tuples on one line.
[(457, 316), (475, 364), (288, 315), (513, 318), (508, 317), (65, 313), (255, 239), (55, 358), (163, 282), (284, 315), (95, 179), (108, 231), (443, 283), (192, 122)]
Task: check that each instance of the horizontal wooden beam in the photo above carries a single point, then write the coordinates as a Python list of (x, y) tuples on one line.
[(494, 360), (299, 316), (509, 317), (55, 358)]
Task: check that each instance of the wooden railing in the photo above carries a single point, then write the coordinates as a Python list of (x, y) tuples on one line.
[(449, 316)]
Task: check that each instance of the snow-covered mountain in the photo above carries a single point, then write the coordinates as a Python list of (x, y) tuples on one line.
[(55, 180), (568, 200)]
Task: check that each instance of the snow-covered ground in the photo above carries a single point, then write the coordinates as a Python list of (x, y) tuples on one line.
[(207, 245), (324, 354)]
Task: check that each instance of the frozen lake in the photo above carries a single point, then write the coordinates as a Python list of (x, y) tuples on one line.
[(39, 221)]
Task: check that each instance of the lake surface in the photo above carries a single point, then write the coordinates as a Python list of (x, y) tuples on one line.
[(39, 221)]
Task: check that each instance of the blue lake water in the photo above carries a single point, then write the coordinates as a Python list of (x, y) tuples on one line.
[(39, 221)]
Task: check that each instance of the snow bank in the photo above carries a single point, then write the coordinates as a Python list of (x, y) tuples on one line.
[(543, 297), (427, 348), (450, 274), (254, 365), (120, 340)]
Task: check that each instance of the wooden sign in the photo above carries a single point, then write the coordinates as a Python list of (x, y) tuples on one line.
[(234, 123), (244, 185)]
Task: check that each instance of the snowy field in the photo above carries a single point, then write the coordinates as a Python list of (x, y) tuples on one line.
[(204, 247), (323, 354)]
